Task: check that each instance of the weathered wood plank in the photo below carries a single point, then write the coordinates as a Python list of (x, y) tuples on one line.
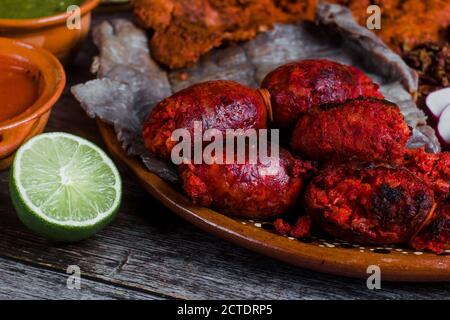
[(20, 281), (151, 250)]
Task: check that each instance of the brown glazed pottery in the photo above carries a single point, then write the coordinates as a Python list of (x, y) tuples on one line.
[(52, 32), (50, 79)]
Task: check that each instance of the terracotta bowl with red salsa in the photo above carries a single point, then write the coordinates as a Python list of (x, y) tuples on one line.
[(31, 81)]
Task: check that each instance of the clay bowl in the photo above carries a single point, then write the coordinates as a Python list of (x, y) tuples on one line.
[(51, 32), (50, 79)]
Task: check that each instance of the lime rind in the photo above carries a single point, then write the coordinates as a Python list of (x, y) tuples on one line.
[(51, 231), (94, 162)]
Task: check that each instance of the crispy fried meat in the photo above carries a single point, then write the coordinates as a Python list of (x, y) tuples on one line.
[(405, 23), (184, 30)]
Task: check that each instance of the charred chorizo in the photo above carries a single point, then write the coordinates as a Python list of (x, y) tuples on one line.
[(433, 168), (363, 129), (216, 104), (296, 87), (250, 190), (369, 203), (435, 236)]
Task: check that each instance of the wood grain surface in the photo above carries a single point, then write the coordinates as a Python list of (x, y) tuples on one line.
[(150, 253)]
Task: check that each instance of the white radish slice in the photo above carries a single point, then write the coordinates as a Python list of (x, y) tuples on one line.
[(437, 101), (443, 127)]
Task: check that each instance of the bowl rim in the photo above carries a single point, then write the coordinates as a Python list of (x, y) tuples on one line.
[(86, 7), (50, 94)]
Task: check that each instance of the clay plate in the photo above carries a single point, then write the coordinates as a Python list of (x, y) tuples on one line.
[(324, 255)]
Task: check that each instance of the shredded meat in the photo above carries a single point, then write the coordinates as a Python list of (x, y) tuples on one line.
[(301, 229), (432, 63)]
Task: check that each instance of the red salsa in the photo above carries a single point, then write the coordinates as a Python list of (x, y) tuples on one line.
[(18, 89)]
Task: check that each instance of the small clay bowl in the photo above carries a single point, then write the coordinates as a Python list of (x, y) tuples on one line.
[(51, 32), (50, 79)]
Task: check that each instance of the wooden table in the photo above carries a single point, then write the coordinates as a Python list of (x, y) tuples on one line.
[(150, 253)]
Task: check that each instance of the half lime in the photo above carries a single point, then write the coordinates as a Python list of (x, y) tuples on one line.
[(63, 187)]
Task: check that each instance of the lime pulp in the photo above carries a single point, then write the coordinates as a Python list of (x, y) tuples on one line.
[(63, 187)]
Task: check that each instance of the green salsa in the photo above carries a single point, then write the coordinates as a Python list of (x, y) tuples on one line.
[(30, 9)]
